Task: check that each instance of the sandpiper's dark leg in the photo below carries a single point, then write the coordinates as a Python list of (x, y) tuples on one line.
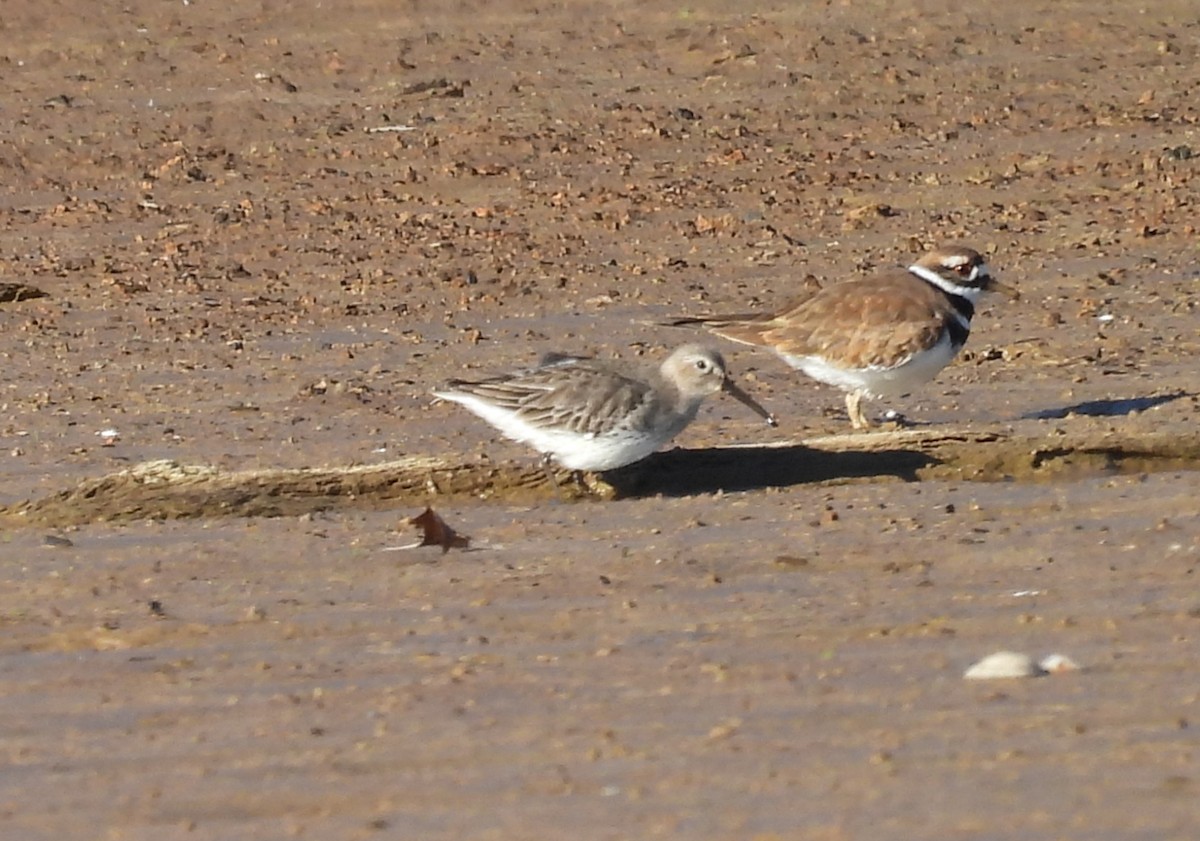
[(564, 491), (548, 467)]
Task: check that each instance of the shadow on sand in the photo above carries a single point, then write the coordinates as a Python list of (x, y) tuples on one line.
[(1108, 408), (682, 472)]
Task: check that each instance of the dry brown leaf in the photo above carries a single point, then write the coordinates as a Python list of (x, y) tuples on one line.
[(714, 224), (436, 532)]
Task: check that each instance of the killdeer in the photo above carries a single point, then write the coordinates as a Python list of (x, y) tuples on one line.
[(877, 336), (588, 414)]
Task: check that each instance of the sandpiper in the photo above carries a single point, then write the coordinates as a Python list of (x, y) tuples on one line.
[(589, 414), (877, 336)]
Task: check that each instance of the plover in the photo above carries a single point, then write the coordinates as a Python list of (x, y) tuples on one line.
[(877, 336)]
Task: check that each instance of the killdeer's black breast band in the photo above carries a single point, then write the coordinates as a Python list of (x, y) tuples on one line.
[(963, 306), (958, 331), (960, 324)]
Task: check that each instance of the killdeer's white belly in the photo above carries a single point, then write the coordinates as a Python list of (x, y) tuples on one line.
[(881, 381)]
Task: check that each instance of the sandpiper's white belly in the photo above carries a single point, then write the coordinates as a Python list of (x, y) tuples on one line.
[(878, 381), (600, 452), (574, 450)]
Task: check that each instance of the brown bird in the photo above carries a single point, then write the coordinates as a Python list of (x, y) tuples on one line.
[(877, 336)]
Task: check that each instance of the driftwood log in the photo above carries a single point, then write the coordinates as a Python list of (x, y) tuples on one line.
[(169, 490)]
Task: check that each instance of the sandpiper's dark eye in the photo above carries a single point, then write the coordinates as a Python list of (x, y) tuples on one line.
[(701, 364)]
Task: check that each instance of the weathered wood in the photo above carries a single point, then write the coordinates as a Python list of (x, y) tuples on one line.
[(168, 490)]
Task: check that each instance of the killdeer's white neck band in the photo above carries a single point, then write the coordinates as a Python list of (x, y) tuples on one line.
[(971, 293)]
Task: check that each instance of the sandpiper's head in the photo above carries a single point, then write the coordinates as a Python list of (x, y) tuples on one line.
[(698, 371), (695, 370), (960, 271)]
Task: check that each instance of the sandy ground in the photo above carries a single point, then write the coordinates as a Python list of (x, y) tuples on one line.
[(264, 231)]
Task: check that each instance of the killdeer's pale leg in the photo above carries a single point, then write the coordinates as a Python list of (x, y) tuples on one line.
[(854, 409)]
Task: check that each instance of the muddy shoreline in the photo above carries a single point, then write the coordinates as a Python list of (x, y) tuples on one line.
[(241, 244)]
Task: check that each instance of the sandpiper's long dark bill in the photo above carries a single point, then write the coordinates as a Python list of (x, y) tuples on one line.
[(589, 414), (735, 391), (878, 336)]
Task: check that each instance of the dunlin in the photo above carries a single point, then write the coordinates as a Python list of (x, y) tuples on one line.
[(588, 414), (877, 336)]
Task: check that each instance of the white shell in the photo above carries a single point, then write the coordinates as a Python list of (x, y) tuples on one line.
[(1004, 664), (1057, 664)]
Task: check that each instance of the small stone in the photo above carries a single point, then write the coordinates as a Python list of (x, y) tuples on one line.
[(791, 561), (725, 729)]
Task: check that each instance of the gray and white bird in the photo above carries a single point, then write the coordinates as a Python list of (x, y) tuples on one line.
[(589, 414)]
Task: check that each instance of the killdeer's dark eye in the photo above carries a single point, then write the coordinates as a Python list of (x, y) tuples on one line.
[(964, 269)]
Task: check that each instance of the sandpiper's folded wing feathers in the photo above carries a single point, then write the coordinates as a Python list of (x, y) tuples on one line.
[(556, 394), (596, 399), (552, 359)]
